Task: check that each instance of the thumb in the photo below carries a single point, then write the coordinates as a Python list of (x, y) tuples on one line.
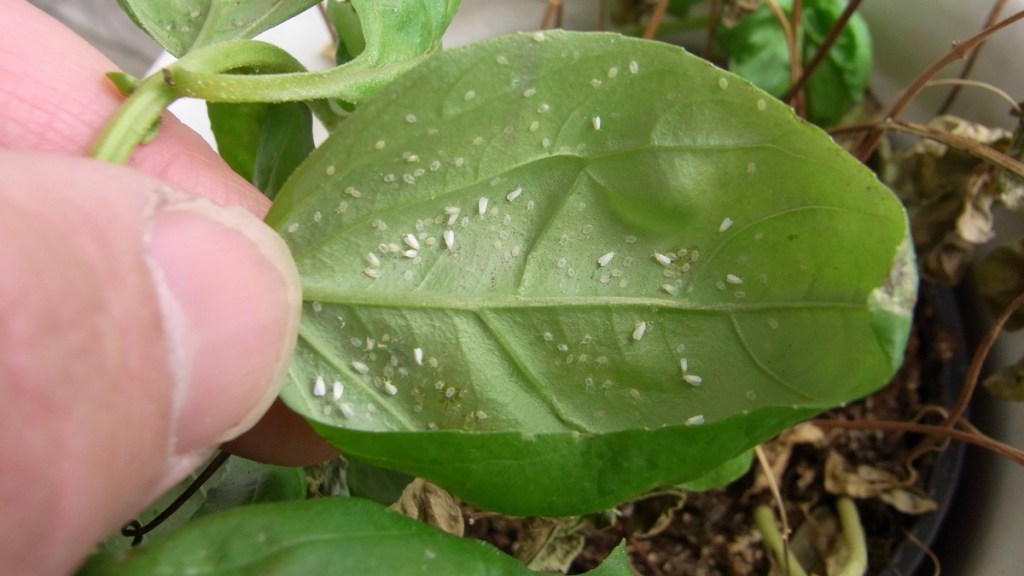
[(139, 328)]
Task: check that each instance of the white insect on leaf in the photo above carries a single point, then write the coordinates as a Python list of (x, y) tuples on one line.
[(695, 420), (481, 206), (605, 259), (596, 122), (417, 355), (411, 241), (639, 330), (346, 410), (514, 193), (360, 367), (319, 387), (453, 214), (726, 223), (693, 379), (449, 238), (663, 259), (337, 390)]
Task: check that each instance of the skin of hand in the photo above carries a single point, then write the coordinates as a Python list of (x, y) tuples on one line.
[(147, 315)]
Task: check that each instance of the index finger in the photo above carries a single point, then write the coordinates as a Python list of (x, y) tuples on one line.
[(54, 97)]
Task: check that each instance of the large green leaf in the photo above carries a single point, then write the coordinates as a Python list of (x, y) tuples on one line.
[(325, 536), (524, 367), (183, 25)]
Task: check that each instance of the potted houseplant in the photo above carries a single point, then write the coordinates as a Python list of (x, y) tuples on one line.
[(494, 237)]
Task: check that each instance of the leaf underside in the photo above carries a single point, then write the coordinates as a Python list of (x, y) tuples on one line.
[(535, 365)]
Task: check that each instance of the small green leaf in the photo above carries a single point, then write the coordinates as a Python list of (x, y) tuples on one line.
[(183, 25), (324, 536), (237, 128), (375, 483), (723, 474), (247, 482), (123, 82), (285, 141), (510, 252), (263, 143), (757, 51)]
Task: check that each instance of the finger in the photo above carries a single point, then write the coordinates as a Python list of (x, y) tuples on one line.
[(139, 328), (54, 97)]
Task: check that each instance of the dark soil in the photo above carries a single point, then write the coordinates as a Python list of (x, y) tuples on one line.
[(713, 532)]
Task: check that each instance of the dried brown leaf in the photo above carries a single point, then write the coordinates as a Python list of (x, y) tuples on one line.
[(1000, 279), (429, 503), (550, 544), (1008, 383), (863, 481), (949, 195)]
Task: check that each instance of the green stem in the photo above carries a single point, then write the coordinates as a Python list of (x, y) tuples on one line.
[(765, 521), (135, 120), (853, 532), (352, 82)]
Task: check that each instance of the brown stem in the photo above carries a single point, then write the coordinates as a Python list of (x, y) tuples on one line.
[(652, 25), (552, 15), (957, 142), (961, 82), (793, 47), (870, 140), (977, 439), (714, 13), (823, 50), (980, 354), (327, 22), (993, 14), (796, 56)]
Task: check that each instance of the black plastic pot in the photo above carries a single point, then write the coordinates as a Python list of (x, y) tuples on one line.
[(940, 314)]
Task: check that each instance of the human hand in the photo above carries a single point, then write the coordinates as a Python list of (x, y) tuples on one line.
[(140, 325)]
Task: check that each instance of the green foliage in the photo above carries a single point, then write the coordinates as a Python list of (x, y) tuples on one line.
[(757, 51), (548, 272), (183, 25), (326, 536), (549, 377)]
